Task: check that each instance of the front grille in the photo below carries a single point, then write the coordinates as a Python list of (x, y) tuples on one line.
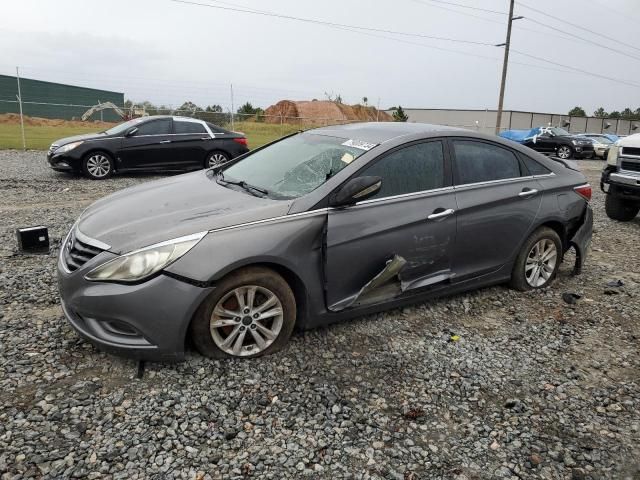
[(632, 166), (630, 151), (77, 253)]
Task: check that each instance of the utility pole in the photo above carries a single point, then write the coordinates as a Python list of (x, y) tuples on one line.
[(232, 106), (24, 143), (504, 65)]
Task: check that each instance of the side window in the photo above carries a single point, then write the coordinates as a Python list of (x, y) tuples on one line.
[(534, 167), (412, 169), (188, 127), (483, 162), (215, 128), (155, 127)]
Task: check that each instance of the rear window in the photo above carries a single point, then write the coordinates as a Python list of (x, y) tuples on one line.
[(188, 127), (483, 162), (216, 129), (534, 167)]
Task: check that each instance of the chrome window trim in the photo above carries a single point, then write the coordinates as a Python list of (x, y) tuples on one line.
[(405, 195), (166, 135), (503, 180), (194, 120), (272, 219)]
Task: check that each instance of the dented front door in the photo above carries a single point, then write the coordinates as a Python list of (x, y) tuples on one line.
[(364, 239)]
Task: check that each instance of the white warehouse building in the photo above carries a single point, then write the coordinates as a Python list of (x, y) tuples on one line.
[(485, 120)]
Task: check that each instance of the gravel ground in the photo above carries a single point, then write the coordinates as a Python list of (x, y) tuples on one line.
[(534, 388)]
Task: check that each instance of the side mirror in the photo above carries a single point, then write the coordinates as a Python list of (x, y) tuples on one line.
[(356, 190), (131, 132)]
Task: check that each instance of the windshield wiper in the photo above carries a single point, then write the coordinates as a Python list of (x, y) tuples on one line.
[(244, 185)]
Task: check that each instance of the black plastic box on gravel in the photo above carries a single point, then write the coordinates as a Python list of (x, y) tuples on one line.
[(33, 239)]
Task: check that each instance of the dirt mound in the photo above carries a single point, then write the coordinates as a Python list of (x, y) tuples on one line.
[(322, 112), (14, 118)]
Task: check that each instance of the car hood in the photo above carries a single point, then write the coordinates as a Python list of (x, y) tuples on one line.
[(75, 138), (581, 140), (181, 205)]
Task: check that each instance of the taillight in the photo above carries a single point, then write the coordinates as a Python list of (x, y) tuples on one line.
[(584, 191), (241, 141)]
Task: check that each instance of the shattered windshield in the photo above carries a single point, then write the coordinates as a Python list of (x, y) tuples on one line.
[(296, 165)]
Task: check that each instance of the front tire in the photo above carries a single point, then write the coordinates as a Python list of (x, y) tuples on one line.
[(538, 261), (250, 313), (565, 152), (617, 209), (97, 166)]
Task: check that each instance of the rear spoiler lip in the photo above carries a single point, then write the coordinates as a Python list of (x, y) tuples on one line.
[(570, 164)]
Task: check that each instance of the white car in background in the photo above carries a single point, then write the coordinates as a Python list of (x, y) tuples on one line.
[(601, 144)]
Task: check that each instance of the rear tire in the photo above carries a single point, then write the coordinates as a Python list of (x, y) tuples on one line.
[(538, 262), (250, 313), (618, 209), (97, 165)]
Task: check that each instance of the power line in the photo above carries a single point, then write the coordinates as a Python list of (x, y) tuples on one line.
[(563, 35), (564, 21), (586, 72), (463, 6), (567, 69), (333, 24), (583, 39)]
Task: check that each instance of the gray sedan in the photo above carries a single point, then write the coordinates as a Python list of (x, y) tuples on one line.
[(317, 227)]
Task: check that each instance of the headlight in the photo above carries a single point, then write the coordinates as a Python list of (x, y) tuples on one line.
[(575, 142), (140, 264), (612, 158), (68, 147)]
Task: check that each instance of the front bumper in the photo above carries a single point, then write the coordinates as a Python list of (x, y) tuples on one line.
[(581, 151), (601, 152), (625, 185), (581, 240), (147, 321), (61, 162)]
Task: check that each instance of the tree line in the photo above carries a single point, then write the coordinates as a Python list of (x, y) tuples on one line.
[(626, 114), (189, 107)]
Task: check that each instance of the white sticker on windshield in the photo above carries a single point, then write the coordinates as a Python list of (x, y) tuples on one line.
[(359, 144)]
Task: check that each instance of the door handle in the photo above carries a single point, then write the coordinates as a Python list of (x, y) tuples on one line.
[(528, 192), (443, 214), (206, 138), (165, 141)]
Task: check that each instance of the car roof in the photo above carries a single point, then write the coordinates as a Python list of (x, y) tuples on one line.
[(175, 117), (380, 132)]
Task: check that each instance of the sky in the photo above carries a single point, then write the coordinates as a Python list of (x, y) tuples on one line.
[(169, 52)]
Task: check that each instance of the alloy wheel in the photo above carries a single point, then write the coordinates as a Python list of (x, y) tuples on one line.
[(541, 263), (246, 320), (217, 159), (98, 165), (564, 152)]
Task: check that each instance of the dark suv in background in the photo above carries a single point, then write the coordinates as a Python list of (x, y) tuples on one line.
[(557, 141), (155, 143)]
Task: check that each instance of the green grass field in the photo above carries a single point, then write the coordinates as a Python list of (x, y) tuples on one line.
[(40, 137)]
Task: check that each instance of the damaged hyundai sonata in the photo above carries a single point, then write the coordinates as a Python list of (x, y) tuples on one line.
[(319, 226)]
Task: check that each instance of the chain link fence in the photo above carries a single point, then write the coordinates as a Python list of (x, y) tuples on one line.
[(26, 132)]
